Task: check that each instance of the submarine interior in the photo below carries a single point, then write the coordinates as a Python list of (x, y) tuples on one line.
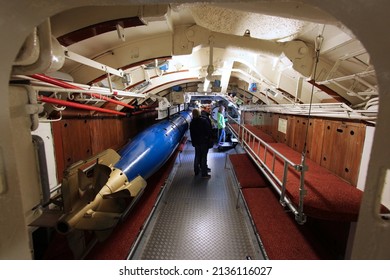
[(96, 158)]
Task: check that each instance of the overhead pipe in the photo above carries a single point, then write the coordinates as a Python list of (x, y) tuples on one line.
[(33, 108), (63, 84), (106, 91), (44, 86), (77, 105), (93, 90), (59, 90), (372, 102), (85, 115), (66, 85)]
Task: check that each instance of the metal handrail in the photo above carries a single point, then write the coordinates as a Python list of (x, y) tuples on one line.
[(246, 137)]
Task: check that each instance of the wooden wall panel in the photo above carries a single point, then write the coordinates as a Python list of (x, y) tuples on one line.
[(307, 124), (290, 131), (335, 146), (274, 126), (260, 120), (268, 123), (357, 134), (300, 134), (95, 127), (342, 149), (127, 130), (107, 133), (76, 140), (315, 152)]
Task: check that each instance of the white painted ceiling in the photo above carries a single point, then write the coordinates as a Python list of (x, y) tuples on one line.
[(344, 65)]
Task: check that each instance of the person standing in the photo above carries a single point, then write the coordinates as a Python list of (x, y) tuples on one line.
[(221, 124), (200, 132), (206, 113)]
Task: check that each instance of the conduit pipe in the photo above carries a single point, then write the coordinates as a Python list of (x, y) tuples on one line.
[(372, 102), (63, 84), (93, 90), (106, 91), (33, 108), (44, 86), (77, 105)]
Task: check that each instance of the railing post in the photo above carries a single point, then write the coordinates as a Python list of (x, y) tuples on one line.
[(284, 181), (301, 217), (280, 185)]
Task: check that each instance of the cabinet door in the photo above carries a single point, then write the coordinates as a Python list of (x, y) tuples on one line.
[(342, 149)]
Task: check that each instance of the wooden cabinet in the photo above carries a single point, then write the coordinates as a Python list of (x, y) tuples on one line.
[(334, 144), (342, 148)]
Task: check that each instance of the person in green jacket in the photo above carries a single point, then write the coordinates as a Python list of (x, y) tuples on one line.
[(221, 124)]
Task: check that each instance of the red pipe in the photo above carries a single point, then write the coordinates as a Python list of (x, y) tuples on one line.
[(77, 105), (59, 83)]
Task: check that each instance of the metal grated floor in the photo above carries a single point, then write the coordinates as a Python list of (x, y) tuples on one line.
[(197, 218)]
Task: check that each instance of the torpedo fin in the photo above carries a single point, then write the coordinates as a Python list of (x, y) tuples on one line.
[(101, 173), (102, 220), (128, 190), (125, 193), (95, 220)]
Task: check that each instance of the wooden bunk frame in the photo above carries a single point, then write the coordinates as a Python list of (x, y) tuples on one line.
[(330, 197)]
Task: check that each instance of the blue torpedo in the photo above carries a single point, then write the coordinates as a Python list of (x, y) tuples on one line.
[(120, 178)]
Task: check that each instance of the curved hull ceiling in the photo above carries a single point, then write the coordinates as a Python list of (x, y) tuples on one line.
[(270, 45)]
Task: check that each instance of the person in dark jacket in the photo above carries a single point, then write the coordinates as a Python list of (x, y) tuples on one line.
[(206, 113), (200, 132)]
